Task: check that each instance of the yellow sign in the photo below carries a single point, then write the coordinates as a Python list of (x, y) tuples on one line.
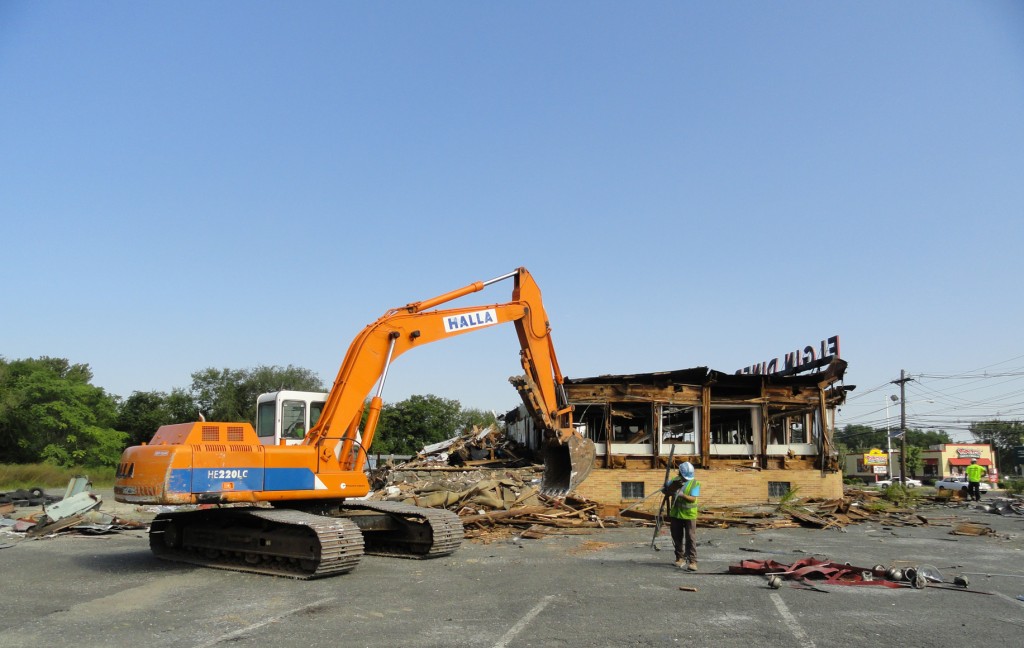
[(876, 458)]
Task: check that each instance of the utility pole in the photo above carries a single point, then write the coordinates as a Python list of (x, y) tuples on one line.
[(903, 425)]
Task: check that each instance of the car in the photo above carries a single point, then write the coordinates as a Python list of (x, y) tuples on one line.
[(958, 483), (884, 483)]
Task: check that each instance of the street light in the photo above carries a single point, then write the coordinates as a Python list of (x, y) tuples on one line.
[(888, 436)]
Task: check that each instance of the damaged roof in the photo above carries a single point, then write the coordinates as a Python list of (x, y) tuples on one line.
[(704, 376)]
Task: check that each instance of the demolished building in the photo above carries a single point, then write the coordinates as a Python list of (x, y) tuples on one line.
[(753, 437)]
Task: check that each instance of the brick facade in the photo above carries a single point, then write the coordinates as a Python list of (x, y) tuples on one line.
[(718, 487)]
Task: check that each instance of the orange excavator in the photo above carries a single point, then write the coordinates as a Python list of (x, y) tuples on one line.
[(296, 510)]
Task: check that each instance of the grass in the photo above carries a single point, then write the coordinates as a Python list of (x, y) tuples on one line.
[(15, 476)]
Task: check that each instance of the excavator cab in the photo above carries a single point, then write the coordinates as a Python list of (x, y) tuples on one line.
[(285, 416)]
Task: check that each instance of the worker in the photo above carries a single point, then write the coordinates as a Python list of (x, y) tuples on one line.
[(974, 474), (684, 490)]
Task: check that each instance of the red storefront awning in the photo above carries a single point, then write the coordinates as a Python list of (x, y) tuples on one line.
[(967, 462)]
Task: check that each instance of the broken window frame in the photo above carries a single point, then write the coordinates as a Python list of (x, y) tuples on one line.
[(689, 442), (748, 448), (590, 421), (795, 428), (623, 418)]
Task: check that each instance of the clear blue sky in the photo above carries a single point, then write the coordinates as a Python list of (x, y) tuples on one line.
[(229, 184)]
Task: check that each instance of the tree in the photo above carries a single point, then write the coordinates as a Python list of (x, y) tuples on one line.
[(926, 440), (230, 394), (913, 460), (51, 412), (472, 417), (217, 393), (142, 413), (861, 438), (1002, 436), (405, 427)]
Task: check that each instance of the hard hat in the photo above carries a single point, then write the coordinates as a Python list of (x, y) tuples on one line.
[(686, 470), (974, 461)]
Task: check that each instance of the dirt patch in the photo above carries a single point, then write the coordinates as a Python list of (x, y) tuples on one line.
[(591, 546)]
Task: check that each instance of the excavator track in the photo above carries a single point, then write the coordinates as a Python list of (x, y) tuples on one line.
[(279, 542), (414, 532)]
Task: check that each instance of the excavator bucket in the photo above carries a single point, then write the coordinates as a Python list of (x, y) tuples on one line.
[(567, 464)]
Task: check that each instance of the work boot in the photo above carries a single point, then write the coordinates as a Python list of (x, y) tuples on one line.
[(681, 564), (691, 566)]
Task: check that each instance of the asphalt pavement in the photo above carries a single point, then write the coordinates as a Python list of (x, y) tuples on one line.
[(608, 588)]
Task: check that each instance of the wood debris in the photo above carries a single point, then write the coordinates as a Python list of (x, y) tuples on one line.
[(494, 488), (972, 529)]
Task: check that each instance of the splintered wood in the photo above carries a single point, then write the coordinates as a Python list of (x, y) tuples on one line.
[(571, 516)]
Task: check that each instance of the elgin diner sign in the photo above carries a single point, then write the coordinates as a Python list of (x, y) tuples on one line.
[(798, 360)]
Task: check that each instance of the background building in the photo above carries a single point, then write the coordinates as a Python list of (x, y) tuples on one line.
[(938, 461)]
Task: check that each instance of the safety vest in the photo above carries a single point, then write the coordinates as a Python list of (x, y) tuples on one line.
[(681, 508), (974, 472)]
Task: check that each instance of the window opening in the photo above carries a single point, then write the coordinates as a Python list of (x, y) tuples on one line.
[(632, 490), (797, 428), (731, 426), (778, 490), (677, 424), (776, 429), (590, 422), (631, 423)]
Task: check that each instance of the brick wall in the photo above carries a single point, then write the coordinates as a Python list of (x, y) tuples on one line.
[(718, 487)]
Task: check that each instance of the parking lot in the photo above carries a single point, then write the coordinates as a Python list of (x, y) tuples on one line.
[(608, 588)]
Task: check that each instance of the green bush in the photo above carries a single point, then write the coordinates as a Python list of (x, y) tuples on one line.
[(897, 494), (1013, 486)]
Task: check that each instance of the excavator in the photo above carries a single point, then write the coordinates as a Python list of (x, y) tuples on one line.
[(299, 510)]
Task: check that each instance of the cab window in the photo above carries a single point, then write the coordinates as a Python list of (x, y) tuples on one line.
[(316, 408), (293, 419), (265, 419)]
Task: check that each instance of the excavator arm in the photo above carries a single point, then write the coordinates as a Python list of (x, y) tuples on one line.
[(568, 456)]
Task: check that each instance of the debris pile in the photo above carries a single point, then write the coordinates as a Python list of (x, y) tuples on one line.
[(24, 497), (810, 573), (494, 502), (493, 485), (820, 514), (78, 510), (482, 448)]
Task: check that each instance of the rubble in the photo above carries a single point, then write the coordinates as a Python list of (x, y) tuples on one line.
[(476, 448), (809, 573), (494, 488), (24, 497), (77, 510)]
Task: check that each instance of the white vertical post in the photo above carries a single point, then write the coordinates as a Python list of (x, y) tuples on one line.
[(888, 441)]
